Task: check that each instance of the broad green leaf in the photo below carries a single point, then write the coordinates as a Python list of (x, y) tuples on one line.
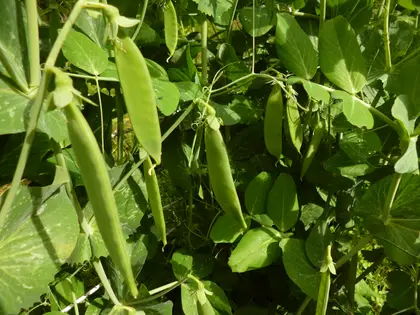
[(85, 54), (39, 235), (294, 124), (408, 163), (188, 91), (401, 290), (185, 262), (164, 308), (156, 70), (131, 206), (13, 115), (258, 248), (235, 68), (341, 164), (359, 145), (167, 96), (354, 110), (241, 110), (226, 229), (310, 213), (147, 36), (256, 193), (298, 268), (406, 113), (264, 20), (409, 4), (218, 300), (400, 233), (221, 10), (282, 204), (317, 243), (340, 58), (13, 48), (316, 91), (358, 13), (93, 25), (294, 47), (406, 80), (95, 307), (62, 292), (72, 167)]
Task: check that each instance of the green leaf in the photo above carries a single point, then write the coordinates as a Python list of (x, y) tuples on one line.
[(164, 308), (340, 58), (282, 204), (409, 4), (406, 80), (93, 25), (256, 194), (85, 54), (240, 111), (316, 91), (310, 213), (408, 163), (235, 68), (298, 268), (188, 91), (358, 13), (401, 290), (218, 300), (264, 20), (95, 307), (226, 229), (354, 110), (341, 164), (406, 113), (39, 235), (185, 262), (13, 48), (62, 292), (258, 248), (399, 234), (294, 47), (219, 9), (359, 145), (167, 96), (317, 243)]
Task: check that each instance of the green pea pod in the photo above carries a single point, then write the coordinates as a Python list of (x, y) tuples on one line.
[(99, 190), (313, 148), (273, 122), (323, 293), (220, 174), (139, 96), (154, 198), (171, 27), (294, 124)]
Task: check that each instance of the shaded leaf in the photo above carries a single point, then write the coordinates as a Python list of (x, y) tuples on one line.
[(256, 193), (226, 229)]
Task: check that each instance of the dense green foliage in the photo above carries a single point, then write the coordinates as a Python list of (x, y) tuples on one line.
[(206, 157)]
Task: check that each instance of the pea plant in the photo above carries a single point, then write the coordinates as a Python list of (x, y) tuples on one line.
[(207, 157)]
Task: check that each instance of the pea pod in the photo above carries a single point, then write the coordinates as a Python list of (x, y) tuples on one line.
[(313, 148), (220, 174), (171, 27), (139, 96), (293, 123), (323, 293), (154, 198), (99, 190), (273, 122)]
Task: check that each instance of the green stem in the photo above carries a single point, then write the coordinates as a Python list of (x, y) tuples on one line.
[(158, 295), (98, 90), (387, 44), (362, 243), (305, 15), (303, 305), (91, 77), (204, 57), (177, 122), (392, 192), (36, 111), (33, 43), (120, 126), (104, 279), (229, 34), (164, 287), (322, 13), (370, 269), (143, 14), (253, 37)]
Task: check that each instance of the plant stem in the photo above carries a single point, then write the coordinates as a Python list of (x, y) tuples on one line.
[(322, 13), (204, 58), (229, 34), (253, 37), (33, 43), (303, 305), (164, 287), (120, 126), (36, 108), (369, 269), (143, 14), (387, 44), (98, 90), (105, 282), (362, 243), (177, 122), (91, 77), (305, 15), (392, 192)]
